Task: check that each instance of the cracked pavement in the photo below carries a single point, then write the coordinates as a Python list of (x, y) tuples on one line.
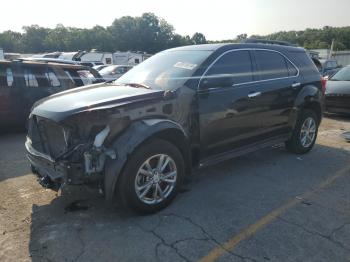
[(216, 204)]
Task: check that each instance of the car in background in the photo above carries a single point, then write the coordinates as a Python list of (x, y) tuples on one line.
[(22, 83), (99, 67), (113, 72), (329, 67), (338, 92), (91, 64)]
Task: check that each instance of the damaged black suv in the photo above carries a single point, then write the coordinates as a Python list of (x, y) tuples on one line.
[(184, 108)]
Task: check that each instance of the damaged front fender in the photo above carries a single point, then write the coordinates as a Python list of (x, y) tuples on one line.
[(126, 143)]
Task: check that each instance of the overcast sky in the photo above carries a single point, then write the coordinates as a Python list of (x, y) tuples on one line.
[(217, 19)]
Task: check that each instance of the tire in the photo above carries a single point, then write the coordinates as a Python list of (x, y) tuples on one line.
[(137, 174), (296, 143)]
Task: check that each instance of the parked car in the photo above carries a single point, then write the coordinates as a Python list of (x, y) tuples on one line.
[(329, 67), (91, 64), (99, 67), (183, 108), (23, 82), (338, 92), (113, 72)]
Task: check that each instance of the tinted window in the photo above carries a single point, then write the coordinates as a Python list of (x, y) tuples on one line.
[(6, 77), (74, 77), (291, 69), (271, 65), (87, 77), (236, 64), (52, 78), (30, 78)]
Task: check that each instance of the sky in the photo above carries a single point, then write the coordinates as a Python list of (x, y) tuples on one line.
[(217, 19)]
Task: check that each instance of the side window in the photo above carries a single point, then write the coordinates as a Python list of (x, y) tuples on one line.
[(291, 69), (30, 78), (74, 77), (52, 78), (271, 65), (236, 64), (9, 77), (6, 77)]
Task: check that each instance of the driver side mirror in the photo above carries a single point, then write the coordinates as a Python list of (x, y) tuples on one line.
[(216, 81)]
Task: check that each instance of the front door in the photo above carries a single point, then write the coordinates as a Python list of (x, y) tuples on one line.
[(229, 104)]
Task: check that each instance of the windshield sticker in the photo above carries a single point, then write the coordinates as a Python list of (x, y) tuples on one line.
[(184, 65)]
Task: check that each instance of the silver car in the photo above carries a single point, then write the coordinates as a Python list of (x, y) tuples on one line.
[(113, 72)]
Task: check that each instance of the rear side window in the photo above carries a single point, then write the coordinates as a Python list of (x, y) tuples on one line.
[(74, 77), (304, 62), (6, 77), (30, 78), (52, 78), (236, 64), (271, 65)]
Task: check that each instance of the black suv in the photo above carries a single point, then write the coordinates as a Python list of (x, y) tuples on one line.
[(183, 108)]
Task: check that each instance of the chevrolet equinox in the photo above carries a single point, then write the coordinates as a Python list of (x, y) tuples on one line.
[(183, 108)]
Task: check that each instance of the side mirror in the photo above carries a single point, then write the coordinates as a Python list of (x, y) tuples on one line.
[(219, 81)]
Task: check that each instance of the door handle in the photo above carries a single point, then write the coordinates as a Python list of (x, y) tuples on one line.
[(295, 85), (255, 94)]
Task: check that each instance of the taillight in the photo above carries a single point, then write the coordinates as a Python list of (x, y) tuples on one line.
[(324, 83)]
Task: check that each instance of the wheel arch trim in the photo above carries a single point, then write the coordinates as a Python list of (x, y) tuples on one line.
[(127, 142)]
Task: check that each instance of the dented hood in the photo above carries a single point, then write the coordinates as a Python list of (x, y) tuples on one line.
[(99, 96)]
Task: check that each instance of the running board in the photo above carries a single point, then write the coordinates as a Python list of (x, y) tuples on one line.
[(212, 160)]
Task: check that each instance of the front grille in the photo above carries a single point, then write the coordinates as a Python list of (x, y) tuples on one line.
[(47, 137)]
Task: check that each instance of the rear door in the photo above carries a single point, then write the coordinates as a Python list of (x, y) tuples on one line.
[(10, 103), (279, 82), (35, 85)]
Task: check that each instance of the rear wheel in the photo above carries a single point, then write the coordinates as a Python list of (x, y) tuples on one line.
[(151, 177), (304, 134)]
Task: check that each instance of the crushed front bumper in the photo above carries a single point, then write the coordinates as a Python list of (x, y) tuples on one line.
[(48, 169)]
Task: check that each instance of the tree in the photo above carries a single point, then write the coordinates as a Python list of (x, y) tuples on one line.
[(198, 38)]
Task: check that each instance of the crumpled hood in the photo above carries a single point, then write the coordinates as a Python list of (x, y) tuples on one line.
[(62, 105), (338, 88)]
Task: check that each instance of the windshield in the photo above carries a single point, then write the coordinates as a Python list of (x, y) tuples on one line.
[(166, 70), (342, 75)]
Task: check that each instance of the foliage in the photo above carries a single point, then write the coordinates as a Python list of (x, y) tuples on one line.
[(309, 38), (148, 33)]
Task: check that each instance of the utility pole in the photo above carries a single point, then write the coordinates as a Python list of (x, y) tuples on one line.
[(331, 51)]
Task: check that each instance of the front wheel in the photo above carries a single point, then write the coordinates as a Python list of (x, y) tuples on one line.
[(151, 177), (304, 134)]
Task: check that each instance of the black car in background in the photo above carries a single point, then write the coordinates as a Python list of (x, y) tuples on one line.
[(22, 83), (184, 108), (338, 92)]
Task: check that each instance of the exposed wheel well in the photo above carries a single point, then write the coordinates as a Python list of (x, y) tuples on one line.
[(316, 107), (177, 138)]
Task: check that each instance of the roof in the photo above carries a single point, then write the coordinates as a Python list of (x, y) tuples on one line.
[(214, 47), (30, 62)]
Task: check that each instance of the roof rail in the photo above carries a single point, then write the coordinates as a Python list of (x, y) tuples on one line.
[(270, 42)]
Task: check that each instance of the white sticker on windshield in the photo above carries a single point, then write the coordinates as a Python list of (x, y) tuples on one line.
[(184, 65)]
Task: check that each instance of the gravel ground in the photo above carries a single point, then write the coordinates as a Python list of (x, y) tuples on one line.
[(266, 206)]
